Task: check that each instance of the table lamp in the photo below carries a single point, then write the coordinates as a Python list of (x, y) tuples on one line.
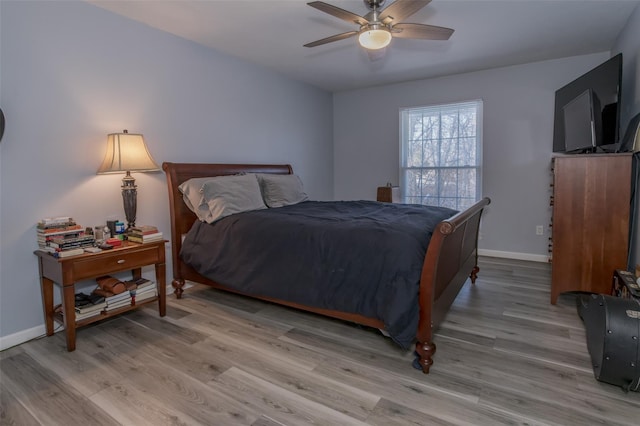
[(127, 152)]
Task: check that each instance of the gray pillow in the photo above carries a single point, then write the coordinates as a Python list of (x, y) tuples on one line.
[(281, 190), (213, 198), (192, 195)]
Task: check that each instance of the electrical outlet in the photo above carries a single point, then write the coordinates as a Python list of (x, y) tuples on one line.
[(539, 230)]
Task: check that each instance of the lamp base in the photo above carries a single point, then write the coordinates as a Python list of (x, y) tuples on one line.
[(129, 199)]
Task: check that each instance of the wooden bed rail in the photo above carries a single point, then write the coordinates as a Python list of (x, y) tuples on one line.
[(452, 257)]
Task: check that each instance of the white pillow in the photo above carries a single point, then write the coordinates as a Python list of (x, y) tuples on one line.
[(221, 196), (281, 190)]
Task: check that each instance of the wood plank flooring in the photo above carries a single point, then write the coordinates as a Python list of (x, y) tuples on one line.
[(505, 355)]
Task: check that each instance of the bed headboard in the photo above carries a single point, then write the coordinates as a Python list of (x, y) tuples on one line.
[(181, 217)]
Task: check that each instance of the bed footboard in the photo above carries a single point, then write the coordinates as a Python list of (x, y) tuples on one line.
[(451, 258)]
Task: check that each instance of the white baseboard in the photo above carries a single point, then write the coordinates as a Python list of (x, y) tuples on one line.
[(15, 339), (514, 255)]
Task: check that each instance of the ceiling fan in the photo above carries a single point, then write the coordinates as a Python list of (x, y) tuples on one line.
[(379, 26)]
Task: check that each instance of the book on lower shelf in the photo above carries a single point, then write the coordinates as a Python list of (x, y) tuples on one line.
[(114, 301), (80, 317), (142, 289), (119, 304), (138, 290), (90, 310), (110, 297), (139, 284), (147, 293)]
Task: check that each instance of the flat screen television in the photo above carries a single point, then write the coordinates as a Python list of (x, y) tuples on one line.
[(582, 122), (587, 111)]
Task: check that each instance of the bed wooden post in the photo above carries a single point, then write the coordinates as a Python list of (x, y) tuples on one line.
[(177, 212), (474, 274)]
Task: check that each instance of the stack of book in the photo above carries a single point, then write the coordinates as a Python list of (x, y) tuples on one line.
[(51, 228), (115, 292), (144, 234), (62, 236), (87, 306), (144, 289), (114, 301), (136, 291), (90, 310)]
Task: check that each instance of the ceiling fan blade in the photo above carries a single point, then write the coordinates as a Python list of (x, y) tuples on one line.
[(345, 15), (401, 9), (331, 39), (426, 32)]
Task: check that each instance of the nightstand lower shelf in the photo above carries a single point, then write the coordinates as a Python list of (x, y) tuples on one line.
[(59, 317)]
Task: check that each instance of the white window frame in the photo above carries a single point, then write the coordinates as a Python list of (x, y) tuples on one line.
[(437, 198)]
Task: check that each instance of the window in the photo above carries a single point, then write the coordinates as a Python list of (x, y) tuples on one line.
[(441, 154)]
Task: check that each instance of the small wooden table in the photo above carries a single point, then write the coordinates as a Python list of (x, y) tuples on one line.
[(388, 194), (67, 271)]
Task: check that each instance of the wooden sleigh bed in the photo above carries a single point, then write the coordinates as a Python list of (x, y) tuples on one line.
[(451, 256)]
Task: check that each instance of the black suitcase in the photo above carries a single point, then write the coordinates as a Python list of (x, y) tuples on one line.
[(613, 338)]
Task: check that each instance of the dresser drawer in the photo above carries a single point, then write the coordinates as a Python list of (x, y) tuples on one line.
[(116, 261)]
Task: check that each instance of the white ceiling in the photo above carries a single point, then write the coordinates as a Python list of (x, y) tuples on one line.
[(488, 34)]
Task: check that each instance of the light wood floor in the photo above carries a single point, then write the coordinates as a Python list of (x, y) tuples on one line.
[(504, 356)]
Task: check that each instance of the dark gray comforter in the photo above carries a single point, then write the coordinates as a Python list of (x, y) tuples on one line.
[(361, 257)]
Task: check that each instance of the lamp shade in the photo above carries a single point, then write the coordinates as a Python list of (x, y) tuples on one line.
[(127, 152), (374, 38)]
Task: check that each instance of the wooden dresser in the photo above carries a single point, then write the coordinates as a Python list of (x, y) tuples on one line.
[(590, 223)]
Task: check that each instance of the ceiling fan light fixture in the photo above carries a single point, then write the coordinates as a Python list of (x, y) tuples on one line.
[(377, 27), (374, 38)]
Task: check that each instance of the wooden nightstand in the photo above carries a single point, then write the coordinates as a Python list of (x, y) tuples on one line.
[(67, 271)]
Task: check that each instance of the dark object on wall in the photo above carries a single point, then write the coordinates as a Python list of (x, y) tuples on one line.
[(613, 338), (1, 124)]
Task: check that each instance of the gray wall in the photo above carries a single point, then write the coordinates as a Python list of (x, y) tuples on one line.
[(518, 130), (629, 44), (72, 73)]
